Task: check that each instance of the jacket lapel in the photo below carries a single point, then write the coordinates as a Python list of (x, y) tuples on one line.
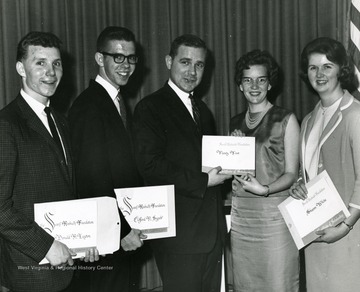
[(329, 129), (336, 118), (182, 115), (34, 123), (107, 106)]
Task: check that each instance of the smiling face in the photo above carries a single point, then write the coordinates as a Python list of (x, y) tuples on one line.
[(116, 74), (41, 72), (187, 67), (255, 92), (323, 74)]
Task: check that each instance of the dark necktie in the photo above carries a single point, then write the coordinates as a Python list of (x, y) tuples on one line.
[(120, 99), (196, 113), (53, 130)]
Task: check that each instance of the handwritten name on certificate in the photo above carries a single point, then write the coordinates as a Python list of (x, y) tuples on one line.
[(235, 155), (73, 223), (149, 209), (322, 208)]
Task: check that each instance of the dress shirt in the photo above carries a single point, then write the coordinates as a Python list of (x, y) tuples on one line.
[(38, 108), (110, 89), (184, 96)]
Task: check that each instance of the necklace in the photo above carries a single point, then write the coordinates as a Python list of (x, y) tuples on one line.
[(252, 120), (324, 109)]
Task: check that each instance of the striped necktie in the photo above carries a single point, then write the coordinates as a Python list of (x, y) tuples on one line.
[(121, 102), (196, 113)]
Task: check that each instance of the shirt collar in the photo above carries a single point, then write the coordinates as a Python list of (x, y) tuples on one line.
[(35, 105), (182, 94), (111, 90)]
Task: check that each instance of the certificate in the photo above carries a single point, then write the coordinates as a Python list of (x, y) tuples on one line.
[(149, 209), (322, 208), (81, 224), (235, 155)]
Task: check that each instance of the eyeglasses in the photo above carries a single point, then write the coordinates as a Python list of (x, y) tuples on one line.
[(259, 81), (120, 58)]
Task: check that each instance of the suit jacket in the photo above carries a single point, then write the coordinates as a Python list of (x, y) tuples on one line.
[(168, 151), (102, 147), (339, 148), (32, 170)]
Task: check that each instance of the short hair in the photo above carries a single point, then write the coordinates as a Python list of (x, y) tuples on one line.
[(111, 33), (334, 52), (257, 57), (188, 40), (36, 38)]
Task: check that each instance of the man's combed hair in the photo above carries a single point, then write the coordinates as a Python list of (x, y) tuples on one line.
[(188, 40), (111, 33), (36, 38)]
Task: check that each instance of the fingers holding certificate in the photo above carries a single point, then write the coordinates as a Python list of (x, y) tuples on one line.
[(234, 154)]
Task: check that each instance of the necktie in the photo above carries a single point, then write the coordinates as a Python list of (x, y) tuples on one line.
[(196, 113), (53, 130), (122, 108)]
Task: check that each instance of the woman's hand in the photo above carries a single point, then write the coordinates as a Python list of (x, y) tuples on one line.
[(332, 234), (251, 184), (237, 133), (298, 190)]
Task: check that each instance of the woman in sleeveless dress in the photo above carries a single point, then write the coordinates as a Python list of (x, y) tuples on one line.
[(264, 255), (330, 140)]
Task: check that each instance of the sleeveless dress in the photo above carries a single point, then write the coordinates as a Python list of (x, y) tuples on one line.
[(264, 255)]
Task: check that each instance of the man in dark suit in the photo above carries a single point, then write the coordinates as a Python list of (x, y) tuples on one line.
[(168, 126), (103, 150), (33, 169)]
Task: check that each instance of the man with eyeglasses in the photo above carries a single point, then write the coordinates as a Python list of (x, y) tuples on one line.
[(100, 134)]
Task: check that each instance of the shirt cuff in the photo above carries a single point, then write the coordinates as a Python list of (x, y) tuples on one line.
[(354, 206)]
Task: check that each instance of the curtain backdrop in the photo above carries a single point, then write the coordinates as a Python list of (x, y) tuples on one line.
[(229, 27)]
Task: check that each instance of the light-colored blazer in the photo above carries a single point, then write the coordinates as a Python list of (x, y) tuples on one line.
[(339, 148)]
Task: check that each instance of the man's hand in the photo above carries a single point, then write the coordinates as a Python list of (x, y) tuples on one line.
[(215, 178), (60, 254), (91, 255), (133, 240)]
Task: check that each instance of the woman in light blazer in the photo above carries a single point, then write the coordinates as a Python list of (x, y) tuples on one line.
[(330, 140)]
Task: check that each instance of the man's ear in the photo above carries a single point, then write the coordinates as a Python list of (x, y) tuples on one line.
[(20, 69), (168, 61), (99, 58)]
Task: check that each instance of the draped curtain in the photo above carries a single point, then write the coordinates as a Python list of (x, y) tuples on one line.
[(229, 27)]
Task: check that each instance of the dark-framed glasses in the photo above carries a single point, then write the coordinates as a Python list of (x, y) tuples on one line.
[(262, 80), (120, 58)]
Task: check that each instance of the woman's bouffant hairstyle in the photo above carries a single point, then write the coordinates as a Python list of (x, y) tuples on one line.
[(257, 57), (334, 52)]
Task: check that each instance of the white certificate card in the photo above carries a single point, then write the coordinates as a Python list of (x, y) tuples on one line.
[(322, 208), (235, 155), (149, 209), (81, 224)]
